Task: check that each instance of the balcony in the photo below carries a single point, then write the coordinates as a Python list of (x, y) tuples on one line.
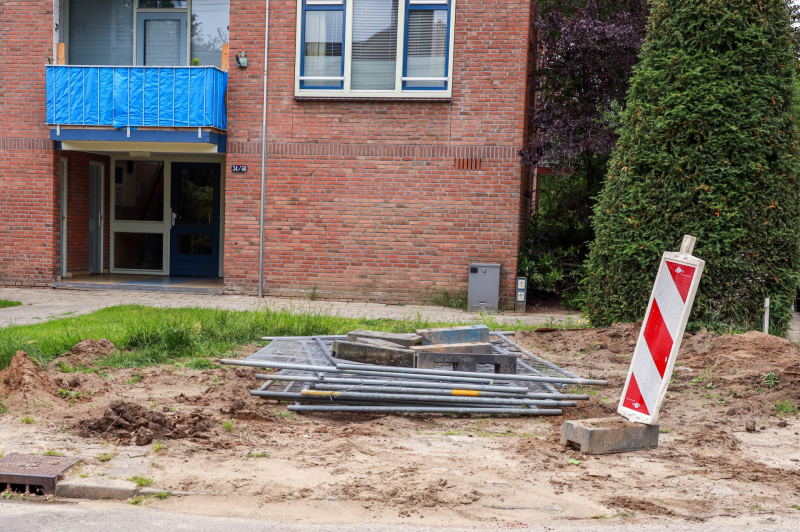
[(145, 104)]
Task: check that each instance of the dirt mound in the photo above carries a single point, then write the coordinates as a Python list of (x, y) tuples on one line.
[(642, 506), (85, 352), (23, 377), (736, 354), (134, 423)]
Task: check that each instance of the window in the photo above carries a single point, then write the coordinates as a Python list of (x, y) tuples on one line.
[(145, 32), (374, 48)]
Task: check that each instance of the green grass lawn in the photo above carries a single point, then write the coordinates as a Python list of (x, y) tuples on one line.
[(148, 335), (5, 303)]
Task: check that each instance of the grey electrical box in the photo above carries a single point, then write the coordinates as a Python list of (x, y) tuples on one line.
[(484, 287)]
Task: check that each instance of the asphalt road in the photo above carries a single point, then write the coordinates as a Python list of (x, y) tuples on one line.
[(33, 517)]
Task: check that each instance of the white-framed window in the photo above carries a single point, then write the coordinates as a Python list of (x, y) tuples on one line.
[(374, 48)]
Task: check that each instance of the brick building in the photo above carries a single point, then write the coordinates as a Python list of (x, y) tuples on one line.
[(131, 144)]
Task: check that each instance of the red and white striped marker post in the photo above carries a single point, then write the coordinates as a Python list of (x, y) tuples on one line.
[(661, 334)]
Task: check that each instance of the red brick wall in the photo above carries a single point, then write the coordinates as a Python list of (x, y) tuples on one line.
[(28, 192), (362, 197), (78, 209)]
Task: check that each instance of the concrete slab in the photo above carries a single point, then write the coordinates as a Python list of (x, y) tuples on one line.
[(405, 340), (608, 435), (373, 354), (472, 348), (96, 488), (455, 335)]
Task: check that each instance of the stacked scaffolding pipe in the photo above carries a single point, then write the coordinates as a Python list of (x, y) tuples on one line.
[(328, 384)]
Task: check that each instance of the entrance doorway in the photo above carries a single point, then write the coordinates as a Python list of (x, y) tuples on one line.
[(194, 240), (166, 218)]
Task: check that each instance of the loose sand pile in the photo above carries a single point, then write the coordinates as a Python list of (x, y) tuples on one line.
[(23, 380)]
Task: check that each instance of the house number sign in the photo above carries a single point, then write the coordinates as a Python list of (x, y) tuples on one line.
[(238, 168)]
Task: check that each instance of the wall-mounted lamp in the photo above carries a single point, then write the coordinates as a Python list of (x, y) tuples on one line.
[(241, 60)]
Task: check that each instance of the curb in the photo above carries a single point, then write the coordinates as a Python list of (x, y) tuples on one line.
[(107, 488)]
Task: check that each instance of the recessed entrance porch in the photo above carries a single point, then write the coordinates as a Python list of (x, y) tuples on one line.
[(154, 222)]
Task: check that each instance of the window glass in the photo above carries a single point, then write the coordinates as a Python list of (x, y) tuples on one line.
[(162, 42), (101, 32), (427, 47), (149, 4), (139, 251), (140, 191), (210, 23), (374, 55), (323, 47)]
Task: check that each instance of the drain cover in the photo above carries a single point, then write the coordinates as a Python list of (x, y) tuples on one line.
[(34, 470)]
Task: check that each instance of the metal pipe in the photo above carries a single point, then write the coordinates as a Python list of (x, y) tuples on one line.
[(263, 156), (294, 396), (323, 337), (513, 390), (424, 409), (470, 374), (387, 374), (324, 349), (520, 362), (265, 385), (411, 389), (390, 397)]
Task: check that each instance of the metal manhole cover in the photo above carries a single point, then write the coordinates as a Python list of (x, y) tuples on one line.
[(34, 470)]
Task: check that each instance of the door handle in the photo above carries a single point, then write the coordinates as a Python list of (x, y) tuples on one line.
[(174, 217)]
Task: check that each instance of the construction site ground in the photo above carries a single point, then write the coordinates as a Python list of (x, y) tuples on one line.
[(437, 470)]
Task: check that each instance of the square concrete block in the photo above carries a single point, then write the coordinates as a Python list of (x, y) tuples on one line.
[(404, 339), (373, 354), (608, 435), (506, 364), (455, 335), (472, 348)]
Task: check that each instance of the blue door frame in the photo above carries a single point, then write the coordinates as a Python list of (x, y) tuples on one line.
[(194, 239)]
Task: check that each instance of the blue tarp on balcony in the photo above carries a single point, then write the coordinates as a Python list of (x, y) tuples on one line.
[(136, 96)]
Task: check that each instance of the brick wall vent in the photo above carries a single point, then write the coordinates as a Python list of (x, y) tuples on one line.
[(468, 163)]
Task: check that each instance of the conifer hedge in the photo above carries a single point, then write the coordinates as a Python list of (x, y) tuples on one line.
[(707, 147)]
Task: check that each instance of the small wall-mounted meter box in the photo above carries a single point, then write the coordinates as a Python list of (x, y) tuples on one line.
[(522, 294), (484, 287)]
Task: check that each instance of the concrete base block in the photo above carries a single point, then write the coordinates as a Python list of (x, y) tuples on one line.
[(373, 354), (608, 435), (96, 488), (455, 335), (476, 348), (405, 340), (506, 364)]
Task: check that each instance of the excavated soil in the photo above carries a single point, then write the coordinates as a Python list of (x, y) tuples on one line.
[(729, 451), (85, 353), (23, 380)]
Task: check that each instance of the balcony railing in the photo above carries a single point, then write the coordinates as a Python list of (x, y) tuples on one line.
[(136, 96)]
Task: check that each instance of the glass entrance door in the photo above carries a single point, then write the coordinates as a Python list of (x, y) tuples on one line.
[(194, 239)]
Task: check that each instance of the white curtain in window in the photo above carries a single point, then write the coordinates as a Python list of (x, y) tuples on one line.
[(162, 42), (323, 50), (427, 47), (101, 32), (374, 57)]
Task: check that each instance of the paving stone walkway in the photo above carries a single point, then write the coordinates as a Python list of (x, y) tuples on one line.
[(40, 305)]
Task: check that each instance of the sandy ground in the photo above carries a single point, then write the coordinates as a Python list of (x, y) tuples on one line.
[(436, 470)]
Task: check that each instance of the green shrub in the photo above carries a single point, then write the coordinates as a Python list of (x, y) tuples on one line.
[(707, 148)]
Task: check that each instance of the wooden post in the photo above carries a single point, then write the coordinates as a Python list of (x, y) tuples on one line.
[(225, 57), (61, 54), (687, 246)]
